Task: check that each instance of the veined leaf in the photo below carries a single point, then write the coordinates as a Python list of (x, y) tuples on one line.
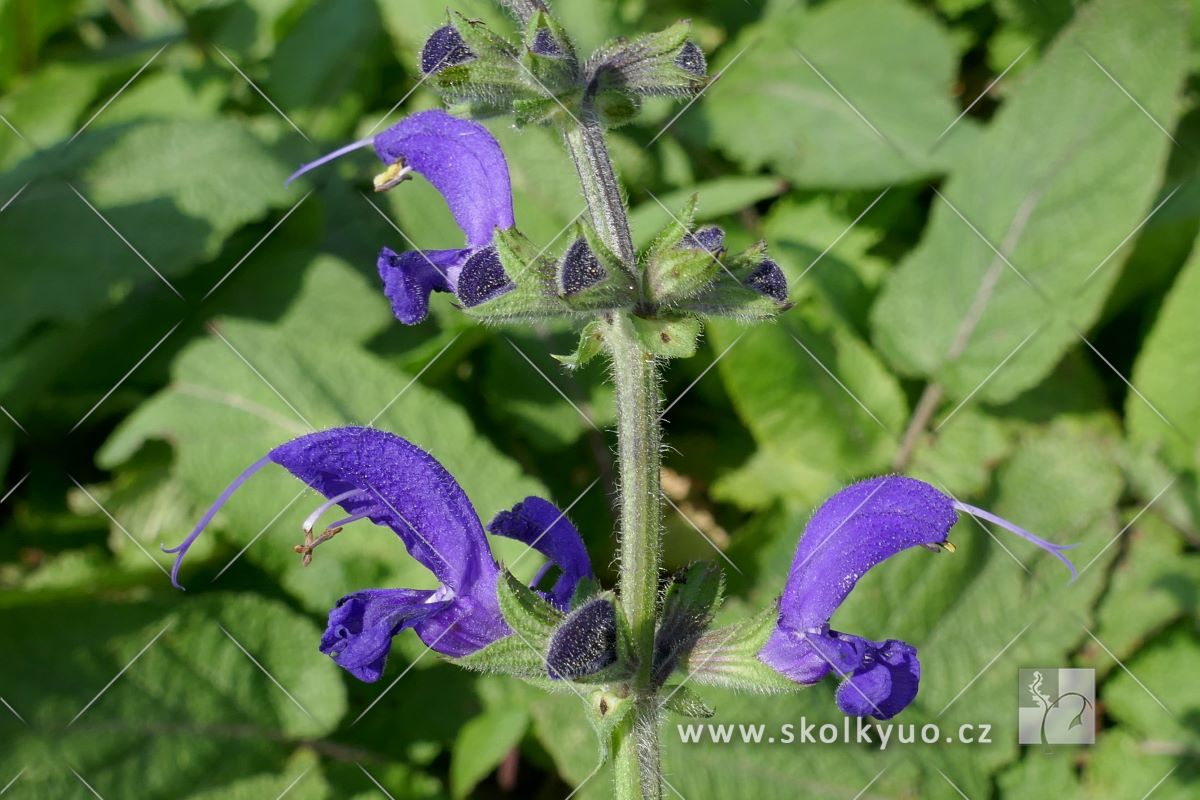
[(1064, 173)]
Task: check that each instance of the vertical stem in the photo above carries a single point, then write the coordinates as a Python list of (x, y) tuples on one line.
[(600, 188), (639, 437)]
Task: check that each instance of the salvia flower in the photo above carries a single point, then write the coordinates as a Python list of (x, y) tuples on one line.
[(859, 527), (466, 165), (374, 475)]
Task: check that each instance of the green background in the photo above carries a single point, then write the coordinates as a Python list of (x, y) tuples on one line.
[(169, 310)]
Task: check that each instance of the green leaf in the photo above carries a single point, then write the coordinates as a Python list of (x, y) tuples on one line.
[(1148, 589), (1158, 679), (776, 378), (1167, 374), (321, 59), (482, 745), (893, 64), (190, 712), (954, 309), (174, 189), (520, 399), (569, 738), (301, 779)]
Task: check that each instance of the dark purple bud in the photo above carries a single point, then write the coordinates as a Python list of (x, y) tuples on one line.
[(585, 643), (579, 269), (709, 238), (691, 60), (444, 48), (544, 44), (767, 278), (482, 278)]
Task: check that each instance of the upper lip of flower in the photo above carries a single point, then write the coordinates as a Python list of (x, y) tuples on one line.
[(856, 529), (379, 476)]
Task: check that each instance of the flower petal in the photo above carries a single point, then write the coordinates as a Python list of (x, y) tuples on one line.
[(901, 660), (410, 277), (860, 694), (539, 524), (361, 626), (403, 487), (884, 684), (463, 162), (854, 530), (472, 622)]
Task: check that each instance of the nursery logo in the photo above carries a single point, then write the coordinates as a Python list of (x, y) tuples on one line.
[(1056, 706)]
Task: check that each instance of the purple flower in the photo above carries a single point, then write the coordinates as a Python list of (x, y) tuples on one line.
[(465, 163), (859, 527), (371, 474)]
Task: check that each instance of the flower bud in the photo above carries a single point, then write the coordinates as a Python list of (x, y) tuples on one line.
[(550, 57), (662, 63), (470, 64), (585, 643)]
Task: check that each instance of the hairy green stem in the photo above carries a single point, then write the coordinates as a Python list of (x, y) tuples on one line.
[(600, 188), (639, 437)]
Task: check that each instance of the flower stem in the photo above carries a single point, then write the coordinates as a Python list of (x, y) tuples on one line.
[(585, 142), (639, 437), (638, 450)]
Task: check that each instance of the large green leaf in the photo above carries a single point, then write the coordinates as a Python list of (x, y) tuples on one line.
[(813, 428), (1167, 374), (892, 64), (1152, 697), (1065, 172), (220, 416), (1151, 588), (156, 698), (482, 744), (174, 189)]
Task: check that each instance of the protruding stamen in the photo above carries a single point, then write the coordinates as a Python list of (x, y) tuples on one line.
[(325, 159), (392, 176), (180, 550), (1050, 547), (311, 544), (312, 518)]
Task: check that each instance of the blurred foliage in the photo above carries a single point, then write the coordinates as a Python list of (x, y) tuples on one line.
[(1004, 304)]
